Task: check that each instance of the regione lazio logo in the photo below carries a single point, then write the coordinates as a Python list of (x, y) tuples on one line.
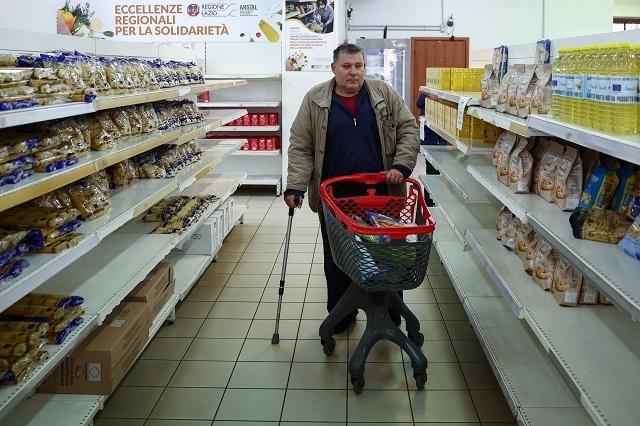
[(193, 9), (217, 9)]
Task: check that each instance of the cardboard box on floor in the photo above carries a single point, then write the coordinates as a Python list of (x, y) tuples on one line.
[(102, 360), (155, 290)]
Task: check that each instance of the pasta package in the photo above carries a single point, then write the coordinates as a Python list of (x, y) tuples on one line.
[(544, 264), (630, 243), (600, 189), (520, 167), (549, 163), (568, 182), (502, 222), (567, 283), (629, 179), (599, 225)]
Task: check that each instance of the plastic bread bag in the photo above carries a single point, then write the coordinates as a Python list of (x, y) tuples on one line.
[(541, 98), (60, 301), (31, 339), (502, 221), (629, 179), (502, 101), (13, 269), (63, 243), (509, 235), (568, 180), (588, 293), (12, 350), (600, 188), (101, 138), (88, 198), (8, 256), (15, 177), (599, 225), (524, 239), (26, 216), (520, 167), (135, 120), (53, 164), (15, 376), (19, 163), (16, 93), (13, 75), (41, 328), (11, 238), (508, 144), (547, 171), (525, 89), (30, 312), (567, 283), (544, 264), (8, 60), (57, 338), (18, 103), (121, 120)]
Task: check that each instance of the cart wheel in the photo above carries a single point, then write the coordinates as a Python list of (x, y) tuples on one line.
[(421, 380), (328, 346), (358, 384), (417, 339)]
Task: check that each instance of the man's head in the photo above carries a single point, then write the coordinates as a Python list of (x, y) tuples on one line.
[(349, 68), (322, 4)]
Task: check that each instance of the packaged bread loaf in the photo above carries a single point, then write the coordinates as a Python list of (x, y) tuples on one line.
[(549, 163), (25, 217), (512, 89), (508, 145), (31, 339), (509, 235), (529, 260), (42, 328), (524, 238), (588, 293), (520, 167), (568, 180), (12, 350), (544, 264), (63, 243), (502, 102), (567, 282), (121, 120), (525, 90), (34, 312), (541, 98)]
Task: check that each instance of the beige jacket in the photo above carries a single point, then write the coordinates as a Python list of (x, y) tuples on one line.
[(398, 130)]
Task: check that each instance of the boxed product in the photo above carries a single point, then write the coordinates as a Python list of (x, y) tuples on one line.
[(273, 119), (155, 290), (102, 360), (220, 225), (246, 120), (254, 119), (439, 78), (457, 79), (472, 79), (204, 241)]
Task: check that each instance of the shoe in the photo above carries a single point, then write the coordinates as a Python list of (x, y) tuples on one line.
[(345, 324)]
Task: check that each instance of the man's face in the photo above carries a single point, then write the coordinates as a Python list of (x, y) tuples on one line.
[(349, 71)]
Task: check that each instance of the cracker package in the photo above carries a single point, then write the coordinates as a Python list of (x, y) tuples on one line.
[(538, 152), (567, 282), (524, 239), (505, 154), (486, 85), (588, 293), (549, 163), (600, 188), (525, 90), (504, 217), (502, 99), (541, 98), (568, 182), (512, 89), (520, 167), (544, 265), (531, 254)]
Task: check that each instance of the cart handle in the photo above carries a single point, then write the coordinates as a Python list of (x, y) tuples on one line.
[(373, 179)]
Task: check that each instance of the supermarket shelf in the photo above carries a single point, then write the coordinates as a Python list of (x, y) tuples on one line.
[(187, 269), (525, 373), (224, 116), (443, 231), (258, 153), (613, 272), (239, 211), (43, 409), (549, 416), (12, 395), (607, 393), (265, 129), (167, 311), (452, 165), (461, 145), (626, 147), (42, 113), (262, 180), (238, 104), (227, 83), (222, 147), (451, 96), (242, 76), (508, 122)]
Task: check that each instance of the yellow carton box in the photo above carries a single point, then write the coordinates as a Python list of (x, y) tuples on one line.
[(457, 79), (438, 78), (472, 78), (465, 132), (490, 133)]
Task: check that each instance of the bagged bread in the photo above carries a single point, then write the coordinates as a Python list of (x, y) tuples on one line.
[(600, 188), (520, 167), (507, 146), (541, 98), (568, 182), (497, 148), (530, 258), (504, 217), (486, 86), (567, 282), (525, 89), (502, 101), (538, 152), (547, 176), (524, 238), (544, 265), (508, 238), (588, 293), (512, 89)]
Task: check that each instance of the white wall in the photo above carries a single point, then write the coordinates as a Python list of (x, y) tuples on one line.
[(488, 23), (626, 8)]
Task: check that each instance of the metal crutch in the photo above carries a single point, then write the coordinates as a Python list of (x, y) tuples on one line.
[(276, 335)]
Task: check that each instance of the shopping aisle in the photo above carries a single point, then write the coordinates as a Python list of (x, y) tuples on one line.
[(217, 360)]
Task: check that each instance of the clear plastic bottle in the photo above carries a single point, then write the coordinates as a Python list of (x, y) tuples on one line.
[(569, 76), (624, 89), (577, 98), (635, 53), (603, 116), (558, 84), (590, 85)]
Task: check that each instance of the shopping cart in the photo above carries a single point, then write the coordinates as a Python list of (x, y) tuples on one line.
[(380, 261)]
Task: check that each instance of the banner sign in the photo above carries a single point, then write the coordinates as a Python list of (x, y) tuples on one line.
[(310, 36), (172, 20)]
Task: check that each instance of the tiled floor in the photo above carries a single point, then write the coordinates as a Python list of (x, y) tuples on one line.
[(216, 364)]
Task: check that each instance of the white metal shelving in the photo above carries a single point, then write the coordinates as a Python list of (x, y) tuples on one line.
[(239, 211), (267, 180), (216, 77), (461, 145), (240, 129), (452, 96), (508, 122), (44, 409), (239, 104), (225, 116), (626, 147), (258, 153)]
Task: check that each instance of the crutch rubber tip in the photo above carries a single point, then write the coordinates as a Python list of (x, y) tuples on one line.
[(275, 339)]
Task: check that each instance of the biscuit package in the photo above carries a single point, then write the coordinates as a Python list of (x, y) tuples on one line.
[(524, 239), (588, 293), (567, 282), (547, 173), (520, 167), (507, 146), (541, 97), (524, 93), (512, 89), (486, 86), (568, 182), (544, 265), (502, 97)]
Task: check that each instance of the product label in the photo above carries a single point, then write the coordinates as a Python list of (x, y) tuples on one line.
[(584, 86), (592, 89), (561, 86), (624, 89), (570, 85), (571, 297), (604, 88)]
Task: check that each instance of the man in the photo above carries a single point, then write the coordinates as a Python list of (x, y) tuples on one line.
[(324, 16), (348, 125)]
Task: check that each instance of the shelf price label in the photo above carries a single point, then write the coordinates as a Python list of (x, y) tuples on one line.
[(462, 104)]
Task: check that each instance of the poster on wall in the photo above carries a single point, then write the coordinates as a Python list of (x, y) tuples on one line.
[(310, 35), (172, 20)]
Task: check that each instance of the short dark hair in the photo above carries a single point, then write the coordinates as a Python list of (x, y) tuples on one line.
[(349, 48)]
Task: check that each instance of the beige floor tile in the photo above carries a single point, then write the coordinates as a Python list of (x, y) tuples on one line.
[(189, 309), (453, 311), (425, 311), (291, 280), (382, 351), (439, 351), (245, 280), (491, 406), (229, 246), (314, 311), (306, 230), (469, 351), (254, 268), (434, 330), (419, 295), (259, 257), (147, 372), (221, 268), (315, 295), (247, 423), (169, 348), (319, 281), (318, 258), (260, 375), (315, 405), (293, 268), (311, 351), (204, 294), (131, 402), (178, 423), (479, 375), (229, 257), (202, 374), (379, 406), (271, 230), (295, 258), (118, 422), (188, 403), (440, 281), (263, 248), (214, 350), (238, 294), (264, 329), (460, 330), (182, 327), (234, 310), (317, 269), (385, 376), (440, 376), (435, 268), (309, 330), (315, 375), (301, 248), (446, 295), (264, 350), (268, 310), (266, 238), (291, 295), (227, 329), (442, 406), (213, 280), (239, 238), (251, 404), (303, 239)]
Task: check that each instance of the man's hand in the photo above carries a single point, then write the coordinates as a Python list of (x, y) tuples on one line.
[(293, 201), (394, 177)]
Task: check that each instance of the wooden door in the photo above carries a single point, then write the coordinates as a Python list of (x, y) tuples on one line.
[(434, 52)]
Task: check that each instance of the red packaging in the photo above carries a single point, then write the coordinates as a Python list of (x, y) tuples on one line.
[(253, 143), (270, 144), (237, 122), (245, 147), (263, 119), (204, 97), (276, 142), (246, 120), (273, 119), (255, 120), (262, 144)]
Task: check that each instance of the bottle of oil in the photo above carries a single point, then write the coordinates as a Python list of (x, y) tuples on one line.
[(624, 83), (590, 85), (603, 115), (635, 53), (558, 84), (577, 99)]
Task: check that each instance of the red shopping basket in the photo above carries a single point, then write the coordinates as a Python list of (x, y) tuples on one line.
[(377, 258)]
